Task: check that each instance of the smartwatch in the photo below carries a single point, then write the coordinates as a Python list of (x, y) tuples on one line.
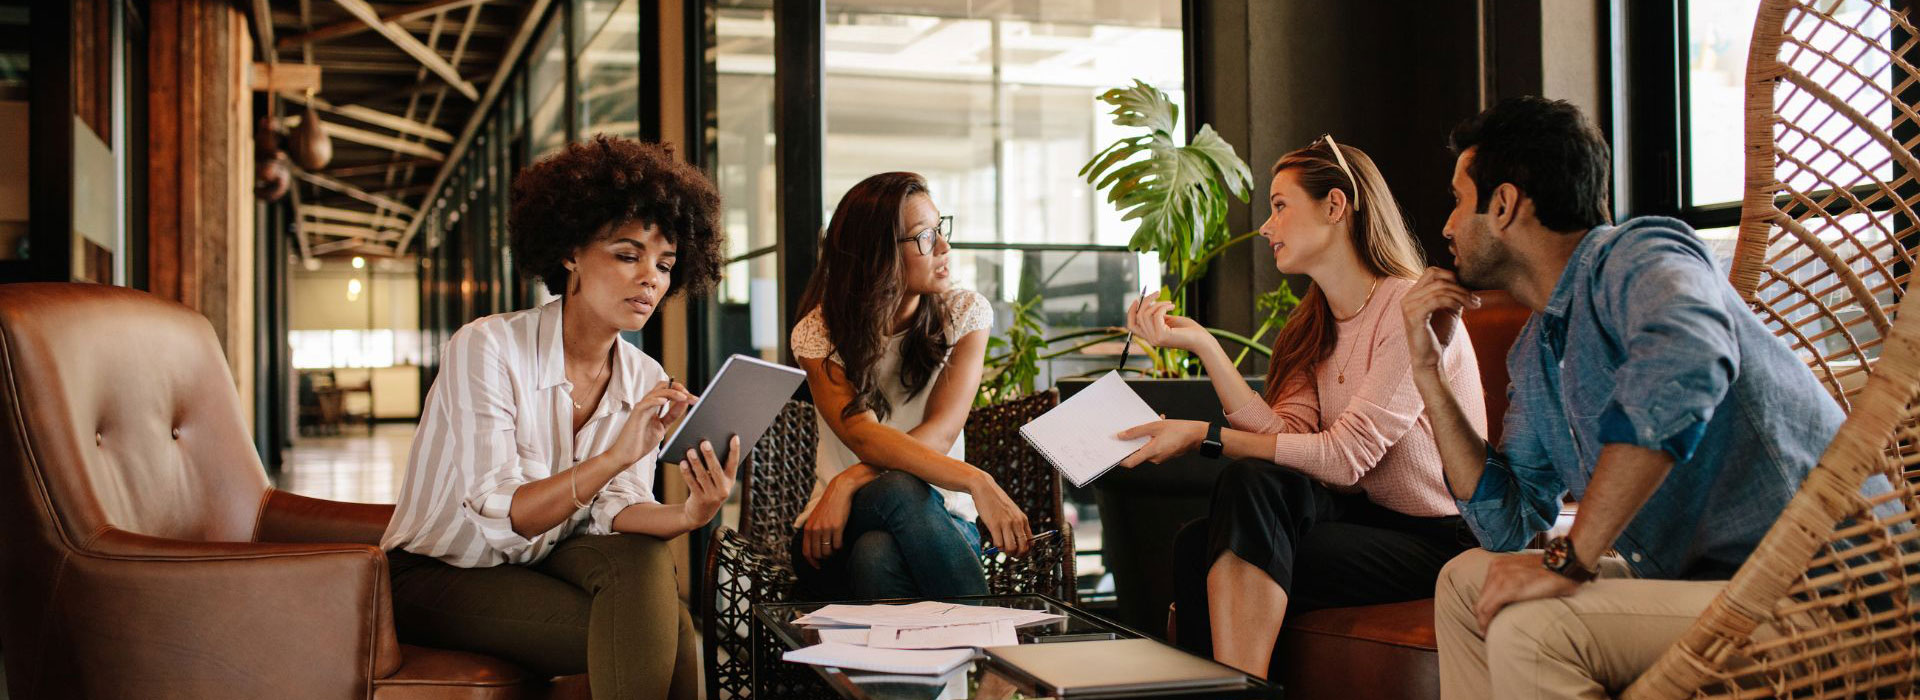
[(1212, 446), (1560, 559)]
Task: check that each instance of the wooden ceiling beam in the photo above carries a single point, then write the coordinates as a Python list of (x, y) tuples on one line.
[(401, 38), (368, 138), (352, 216), (377, 118), (350, 231), (355, 192), (521, 38), (356, 26), (373, 167)]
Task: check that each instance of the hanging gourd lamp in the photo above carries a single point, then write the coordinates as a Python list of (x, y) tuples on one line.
[(312, 148)]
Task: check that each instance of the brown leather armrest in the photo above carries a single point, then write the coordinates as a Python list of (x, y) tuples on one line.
[(227, 619), (288, 517)]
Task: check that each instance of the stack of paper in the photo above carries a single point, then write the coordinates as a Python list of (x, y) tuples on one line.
[(926, 613), (928, 638), (906, 661)]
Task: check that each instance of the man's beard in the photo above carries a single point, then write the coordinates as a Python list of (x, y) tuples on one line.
[(1490, 265)]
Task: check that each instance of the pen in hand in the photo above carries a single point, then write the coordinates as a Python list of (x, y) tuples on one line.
[(1128, 347), (667, 405), (992, 550)]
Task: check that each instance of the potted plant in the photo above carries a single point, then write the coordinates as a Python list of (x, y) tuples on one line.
[(1179, 193)]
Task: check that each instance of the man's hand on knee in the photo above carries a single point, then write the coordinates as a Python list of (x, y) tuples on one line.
[(1516, 578)]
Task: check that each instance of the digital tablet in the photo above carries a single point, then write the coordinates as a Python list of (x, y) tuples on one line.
[(743, 400)]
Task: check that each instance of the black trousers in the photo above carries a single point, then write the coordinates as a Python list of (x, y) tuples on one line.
[(1325, 549)]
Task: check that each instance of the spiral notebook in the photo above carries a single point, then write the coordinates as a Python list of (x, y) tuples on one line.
[(1078, 435)]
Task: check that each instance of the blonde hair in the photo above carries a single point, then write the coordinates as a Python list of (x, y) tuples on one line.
[(1378, 231)]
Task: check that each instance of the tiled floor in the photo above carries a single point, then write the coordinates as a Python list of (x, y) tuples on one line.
[(352, 466)]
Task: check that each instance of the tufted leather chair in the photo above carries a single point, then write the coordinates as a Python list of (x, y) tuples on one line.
[(144, 553)]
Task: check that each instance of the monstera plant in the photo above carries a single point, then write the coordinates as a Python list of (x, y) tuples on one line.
[(1179, 194)]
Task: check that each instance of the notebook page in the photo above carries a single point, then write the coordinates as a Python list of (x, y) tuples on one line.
[(1078, 435)]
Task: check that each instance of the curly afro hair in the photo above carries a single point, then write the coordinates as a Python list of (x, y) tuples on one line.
[(582, 194)]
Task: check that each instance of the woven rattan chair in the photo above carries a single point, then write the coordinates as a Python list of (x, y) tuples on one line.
[(1826, 605), (750, 566), (994, 444)]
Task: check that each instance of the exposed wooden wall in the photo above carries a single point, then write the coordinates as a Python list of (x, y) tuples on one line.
[(92, 66), (200, 155)]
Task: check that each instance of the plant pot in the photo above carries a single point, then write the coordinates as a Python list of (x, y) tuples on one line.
[(1142, 508)]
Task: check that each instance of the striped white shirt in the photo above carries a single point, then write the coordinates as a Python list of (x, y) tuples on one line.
[(499, 416)]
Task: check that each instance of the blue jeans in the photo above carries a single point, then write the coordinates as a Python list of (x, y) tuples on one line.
[(899, 542)]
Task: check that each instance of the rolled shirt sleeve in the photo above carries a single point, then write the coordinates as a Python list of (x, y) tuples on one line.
[(1519, 491), (1661, 290), (626, 488)]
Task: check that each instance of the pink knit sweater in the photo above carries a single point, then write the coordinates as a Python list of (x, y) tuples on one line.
[(1371, 431)]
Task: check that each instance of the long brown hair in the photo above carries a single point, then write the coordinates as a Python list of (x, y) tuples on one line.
[(1379, 233), (858, 285)]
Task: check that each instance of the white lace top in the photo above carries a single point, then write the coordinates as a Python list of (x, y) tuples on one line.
[(967, 312)]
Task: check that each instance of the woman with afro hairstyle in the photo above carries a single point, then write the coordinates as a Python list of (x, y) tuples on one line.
[(527, 527)]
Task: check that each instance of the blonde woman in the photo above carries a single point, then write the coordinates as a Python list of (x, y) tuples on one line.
[(1335, 496)]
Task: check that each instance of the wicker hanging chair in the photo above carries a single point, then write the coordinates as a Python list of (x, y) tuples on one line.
[(1829, 603)]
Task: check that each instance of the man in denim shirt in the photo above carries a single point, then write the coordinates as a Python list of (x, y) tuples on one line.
[(1642, 385)]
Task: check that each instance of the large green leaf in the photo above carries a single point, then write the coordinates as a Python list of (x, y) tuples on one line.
[(1142, 105), (1178, 193)]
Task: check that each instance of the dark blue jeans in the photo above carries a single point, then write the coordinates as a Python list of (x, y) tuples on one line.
[(899, 542)]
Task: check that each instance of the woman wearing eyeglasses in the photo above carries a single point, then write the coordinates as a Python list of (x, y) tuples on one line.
[(1335, 497), (893, 355)]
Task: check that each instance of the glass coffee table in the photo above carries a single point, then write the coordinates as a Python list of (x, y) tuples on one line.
[(978, 680)]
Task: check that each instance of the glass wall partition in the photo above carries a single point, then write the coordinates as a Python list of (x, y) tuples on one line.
[(994, 103)]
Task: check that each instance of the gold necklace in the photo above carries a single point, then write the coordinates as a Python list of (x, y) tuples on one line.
[(1341, 377), (606, 369)]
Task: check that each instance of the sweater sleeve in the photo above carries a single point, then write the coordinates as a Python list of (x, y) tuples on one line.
[(1297, 410), (1385, 405)]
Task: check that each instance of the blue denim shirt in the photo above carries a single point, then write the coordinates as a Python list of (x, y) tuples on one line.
[(1645, 343)]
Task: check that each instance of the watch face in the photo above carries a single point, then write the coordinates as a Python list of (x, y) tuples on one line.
[(1555, 556)]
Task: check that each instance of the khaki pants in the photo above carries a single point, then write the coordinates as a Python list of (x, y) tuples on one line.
[(1592, 644)]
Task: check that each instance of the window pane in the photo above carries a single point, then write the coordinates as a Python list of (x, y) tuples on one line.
[(940, 129), (1718, 32), (547, 83), (1720, 241), (744, 116), (595, 14), (996, 108), (749, 309), (610, 71), (1078, 290)]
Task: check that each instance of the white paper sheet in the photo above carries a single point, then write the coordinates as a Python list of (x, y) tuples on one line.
[(1078, 435), (844, 635), (921, 614), (983, 634), (924, 662)]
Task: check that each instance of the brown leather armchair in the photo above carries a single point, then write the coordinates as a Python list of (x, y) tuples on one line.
[(144, 553)]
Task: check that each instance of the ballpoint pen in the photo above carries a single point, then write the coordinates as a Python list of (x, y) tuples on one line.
[(992, 550), (1128, 348)]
